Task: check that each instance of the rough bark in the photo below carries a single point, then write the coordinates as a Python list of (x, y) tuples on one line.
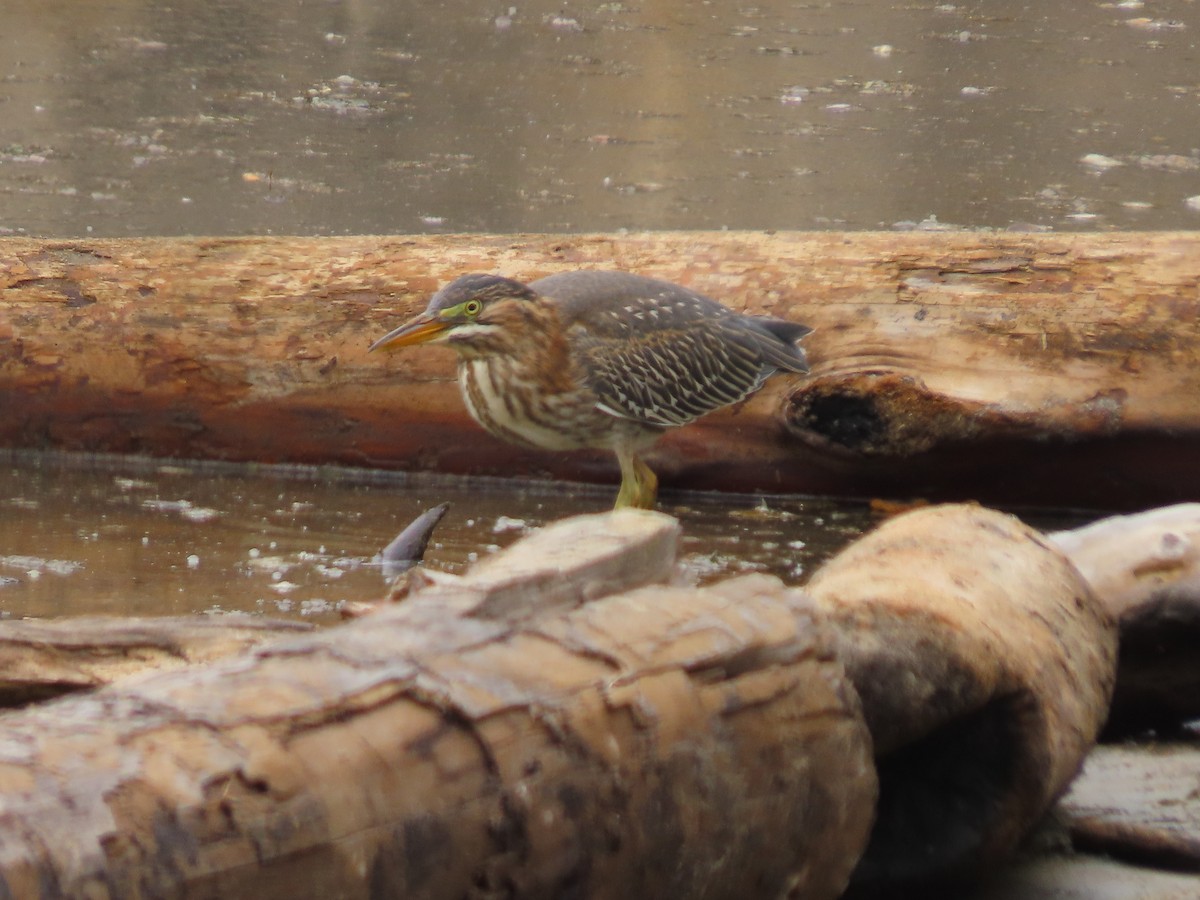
[(1146, 569), (43, 659), (1043, 368), (1139, 803), (985, 667), (666, 742)]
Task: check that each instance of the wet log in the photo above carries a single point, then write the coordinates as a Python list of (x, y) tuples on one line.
[(1139, 803), (1146, 569), (664, 742), (1012, 367), (44, 659), (985, 666)]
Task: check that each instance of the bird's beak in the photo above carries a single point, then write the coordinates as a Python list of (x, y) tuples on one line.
[(417, 330)]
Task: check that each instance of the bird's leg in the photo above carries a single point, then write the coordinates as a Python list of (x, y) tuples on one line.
[(639, 484)]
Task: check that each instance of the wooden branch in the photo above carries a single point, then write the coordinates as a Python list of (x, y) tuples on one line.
[(984, 665), (1146, 569), (1033, 368), (667, 742), (508, 728)]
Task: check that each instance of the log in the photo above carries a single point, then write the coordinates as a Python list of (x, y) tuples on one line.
[(664, 742), (1140, 803), (1012, 367), (1146, 569), (985, 666), (44, 659)]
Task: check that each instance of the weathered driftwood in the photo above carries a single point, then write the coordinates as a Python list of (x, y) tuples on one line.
[(666, 742), (1139, 803), (984, 665), (43, 659), (427, 745), (1146, 569), (1043, 368)]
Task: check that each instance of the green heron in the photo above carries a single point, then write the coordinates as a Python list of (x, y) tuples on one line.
[(605, 360)]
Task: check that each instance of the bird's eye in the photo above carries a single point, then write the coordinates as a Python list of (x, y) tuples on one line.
[(472, 307)]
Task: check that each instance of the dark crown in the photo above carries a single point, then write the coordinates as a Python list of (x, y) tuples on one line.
[(484, 288)]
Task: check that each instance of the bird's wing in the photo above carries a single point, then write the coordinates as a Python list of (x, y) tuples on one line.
[(671, 378), (661, 354)]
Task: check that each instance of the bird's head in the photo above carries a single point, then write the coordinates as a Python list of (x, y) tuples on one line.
[(472, 313)]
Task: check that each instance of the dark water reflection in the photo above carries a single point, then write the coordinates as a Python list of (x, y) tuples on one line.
[(362, 116), (142, 537)]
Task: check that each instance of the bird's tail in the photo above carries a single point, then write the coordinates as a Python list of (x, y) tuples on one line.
[(781, 348)]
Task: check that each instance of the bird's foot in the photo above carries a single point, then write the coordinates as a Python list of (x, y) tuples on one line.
[(639, 488)]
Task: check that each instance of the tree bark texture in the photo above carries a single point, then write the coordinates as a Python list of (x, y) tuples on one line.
[(1032, 368), (40, 659), (1146, 569), (985, 667), (507, 730), (665, 742)]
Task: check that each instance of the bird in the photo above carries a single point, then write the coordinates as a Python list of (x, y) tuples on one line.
[(598, 359)]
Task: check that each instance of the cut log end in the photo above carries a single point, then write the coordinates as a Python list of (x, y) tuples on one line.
[(985, 668)]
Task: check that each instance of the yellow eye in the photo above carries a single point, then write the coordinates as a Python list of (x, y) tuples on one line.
[(472, 307)]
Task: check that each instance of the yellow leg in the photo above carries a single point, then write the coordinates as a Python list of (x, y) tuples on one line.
[(639, 485)]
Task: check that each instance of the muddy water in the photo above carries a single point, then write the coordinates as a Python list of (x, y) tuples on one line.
[(212, 116), (143, 537)]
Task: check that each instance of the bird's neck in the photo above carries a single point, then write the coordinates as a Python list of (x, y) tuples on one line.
[(521, 330)]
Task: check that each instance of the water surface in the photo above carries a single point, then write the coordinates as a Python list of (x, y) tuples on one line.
[(365, 116), (134, 536)]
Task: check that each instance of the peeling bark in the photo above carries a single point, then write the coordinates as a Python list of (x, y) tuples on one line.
[(44, 659), (1033, 368), (985, 667), (543, 726), (666, 742)]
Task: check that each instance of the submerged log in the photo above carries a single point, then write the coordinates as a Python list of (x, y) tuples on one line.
[(667, 742), (985, 666), (1033, 368)]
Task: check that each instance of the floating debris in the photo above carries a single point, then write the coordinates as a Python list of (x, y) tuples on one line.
[(408, 548), (34, 566), (1169, 162), (1144, 23), (794, 95), (509, 525), (184, 508), (1100, 161)]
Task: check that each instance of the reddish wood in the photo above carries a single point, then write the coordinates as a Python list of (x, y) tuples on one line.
[(1043, 368)]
